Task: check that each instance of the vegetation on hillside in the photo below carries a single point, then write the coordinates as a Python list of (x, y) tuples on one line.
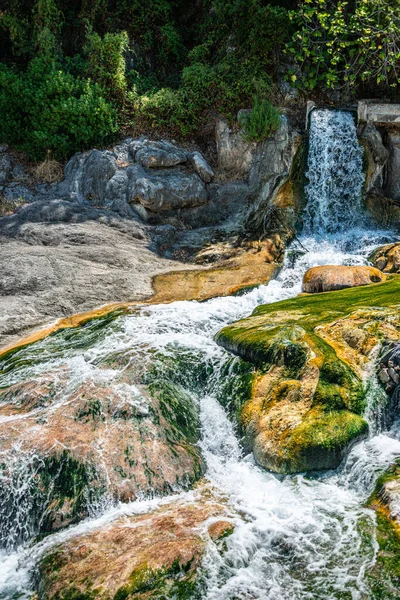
[(72, 74)]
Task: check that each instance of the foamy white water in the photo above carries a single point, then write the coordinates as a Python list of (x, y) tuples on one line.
[(295, 537)]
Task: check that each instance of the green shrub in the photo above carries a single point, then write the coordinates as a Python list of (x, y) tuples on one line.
[(106, 61), (261, 122), (45, 109)]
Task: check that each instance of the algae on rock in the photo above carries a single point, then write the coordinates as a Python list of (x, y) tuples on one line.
[(311, 352)]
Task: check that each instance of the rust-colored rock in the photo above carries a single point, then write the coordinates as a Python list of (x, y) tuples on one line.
[(137, 556), (329, 278)]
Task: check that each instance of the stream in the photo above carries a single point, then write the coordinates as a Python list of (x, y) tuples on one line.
[(295, 537)]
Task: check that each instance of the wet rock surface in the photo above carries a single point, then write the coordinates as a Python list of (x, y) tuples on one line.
[(311, 353), (80, 437), (156, 555)]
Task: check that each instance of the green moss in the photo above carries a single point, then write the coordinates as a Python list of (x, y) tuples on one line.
[(177, 408), (321, 440), (61, 343), (327, 306), (236, 383), (178, 582), (92, 410), (384, 577), (267, 345), (63, 478)]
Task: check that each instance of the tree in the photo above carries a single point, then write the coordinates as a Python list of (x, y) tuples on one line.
[(342, 44)]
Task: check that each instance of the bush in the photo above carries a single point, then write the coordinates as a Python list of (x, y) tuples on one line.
[(45, 109), (261, 122), (106, 62)]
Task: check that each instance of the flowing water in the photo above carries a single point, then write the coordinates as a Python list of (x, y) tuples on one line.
[(295, 537)]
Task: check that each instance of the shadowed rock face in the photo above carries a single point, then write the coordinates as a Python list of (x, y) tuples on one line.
[(312, 353), (329, 278), (144, 556)]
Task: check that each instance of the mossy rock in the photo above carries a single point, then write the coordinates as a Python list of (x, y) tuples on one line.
[(308, 398), (320, 442), (384, 576)]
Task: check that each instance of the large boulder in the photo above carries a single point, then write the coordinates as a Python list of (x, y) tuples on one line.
[(169, 190), (143, 556), (312, 354), (387, 258), (98, 169), (157, 155), (276, 181), (332, 277), (392, 188), (91, 439)]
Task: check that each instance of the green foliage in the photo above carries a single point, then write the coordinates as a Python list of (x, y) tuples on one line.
[(46, 109), (341, 44), (106, 61), (261, 122)]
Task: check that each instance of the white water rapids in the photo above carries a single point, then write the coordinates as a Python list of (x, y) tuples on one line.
[(295, 537)]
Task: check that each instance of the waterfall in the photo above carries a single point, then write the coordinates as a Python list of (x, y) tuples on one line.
[(335, 173)]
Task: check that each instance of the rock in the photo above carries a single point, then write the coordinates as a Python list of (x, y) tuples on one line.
[(201, 166), (172, 190), (157, 155), (235, 155), (276, 181), (143, 556), (376, 154), (60, 257), (91, 440), (305, 408), (19, 172), (98, 169), (392, 187), (16, 191), (116, 194), (6, 165), (227, 201), (387, 258), (330, 277)]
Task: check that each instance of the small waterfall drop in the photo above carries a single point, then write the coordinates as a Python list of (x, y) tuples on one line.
[(335, 173)]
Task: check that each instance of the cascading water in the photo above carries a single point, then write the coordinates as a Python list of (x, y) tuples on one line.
[(295, 537), (335, 173)]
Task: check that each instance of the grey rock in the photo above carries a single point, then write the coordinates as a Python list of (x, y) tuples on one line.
[(376, 157), (384, 376), (169, 191), (17, 192), (6, 165), (270, 169), (60, 257), (235, 155), (122, 151), (116, 194), (393, 166), (201, 166), (19, 172), (98, 169), (159, 155)]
